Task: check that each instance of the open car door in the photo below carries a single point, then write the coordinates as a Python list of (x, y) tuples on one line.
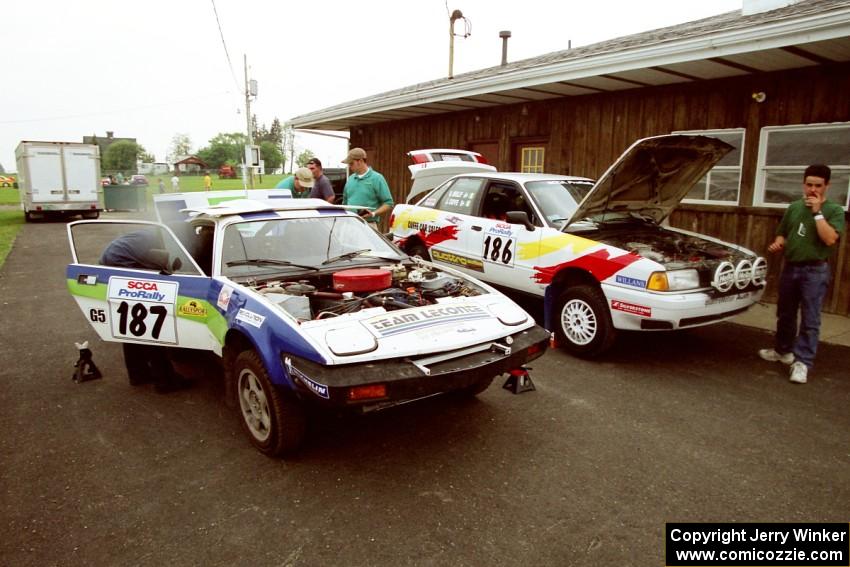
[(136, 283)]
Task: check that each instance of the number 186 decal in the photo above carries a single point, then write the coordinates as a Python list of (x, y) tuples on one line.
[(143, 309)]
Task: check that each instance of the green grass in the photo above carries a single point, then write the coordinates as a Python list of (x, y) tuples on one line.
[(10, 223), (9, 196)]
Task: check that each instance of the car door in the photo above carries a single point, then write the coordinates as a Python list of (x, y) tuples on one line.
[(135, 282), (451, 239), (500, 244)]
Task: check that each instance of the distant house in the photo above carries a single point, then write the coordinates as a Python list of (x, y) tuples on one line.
[(191, 165), (772, 79)]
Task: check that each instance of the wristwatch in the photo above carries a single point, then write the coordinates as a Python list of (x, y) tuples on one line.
[(819, 216)]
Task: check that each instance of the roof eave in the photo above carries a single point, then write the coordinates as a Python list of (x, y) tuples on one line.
[(806, 29)]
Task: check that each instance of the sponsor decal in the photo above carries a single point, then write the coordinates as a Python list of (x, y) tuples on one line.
[(632, 308), (415, 215), (153, 291), (319, 389), (500, 229), (422, 317), (599, 263), (422, 227), (192, 308), (250, 318), (634, 282), (224, 297), (457, 260)]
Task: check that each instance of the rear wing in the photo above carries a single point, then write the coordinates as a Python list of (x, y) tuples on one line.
[(175, 207)]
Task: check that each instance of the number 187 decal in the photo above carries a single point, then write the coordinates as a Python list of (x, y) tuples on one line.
[(143, 309)]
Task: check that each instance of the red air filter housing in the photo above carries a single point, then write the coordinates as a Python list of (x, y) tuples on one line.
[(363, 279)]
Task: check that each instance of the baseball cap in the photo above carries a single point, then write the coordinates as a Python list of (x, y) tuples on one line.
[(304, 176), (353, 154)]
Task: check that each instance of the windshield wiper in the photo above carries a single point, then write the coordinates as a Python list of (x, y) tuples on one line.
[(267, 262), (347, 255)]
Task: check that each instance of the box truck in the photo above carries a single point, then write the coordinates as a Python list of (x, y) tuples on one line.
[(58, 178)]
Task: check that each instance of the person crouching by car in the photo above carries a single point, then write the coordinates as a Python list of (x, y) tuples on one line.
[(144, 249), (807, 236), (300, 184)]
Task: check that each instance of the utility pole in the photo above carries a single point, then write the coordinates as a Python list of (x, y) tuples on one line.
[(249, 167)]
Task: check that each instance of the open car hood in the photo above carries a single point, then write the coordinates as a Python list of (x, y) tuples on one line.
[(652, 177)]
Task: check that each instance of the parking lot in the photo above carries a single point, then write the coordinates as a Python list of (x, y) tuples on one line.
[(586, 470)]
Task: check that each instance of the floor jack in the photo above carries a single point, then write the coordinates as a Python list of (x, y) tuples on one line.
[(85, 368), (519, 381)]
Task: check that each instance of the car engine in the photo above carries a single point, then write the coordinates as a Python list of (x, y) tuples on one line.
[(398, 286)]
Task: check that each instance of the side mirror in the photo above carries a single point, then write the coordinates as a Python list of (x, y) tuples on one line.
[(520, 217)]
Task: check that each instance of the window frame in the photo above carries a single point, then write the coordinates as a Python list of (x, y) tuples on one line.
[(739, 167), (762, 169)]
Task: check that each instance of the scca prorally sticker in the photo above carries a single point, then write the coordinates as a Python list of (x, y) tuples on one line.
[(143, 309), (634, 282), (632, 308), (250, 318), (224, 297)]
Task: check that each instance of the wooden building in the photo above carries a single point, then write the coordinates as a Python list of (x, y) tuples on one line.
[(775, 83)]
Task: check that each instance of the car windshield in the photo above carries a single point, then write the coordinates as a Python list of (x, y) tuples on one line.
[(262, 247), (558, 199)]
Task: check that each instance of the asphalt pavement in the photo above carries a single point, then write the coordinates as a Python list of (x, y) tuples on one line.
[(585, 470)]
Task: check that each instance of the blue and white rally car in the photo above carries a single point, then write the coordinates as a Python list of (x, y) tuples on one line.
[(303, 302)]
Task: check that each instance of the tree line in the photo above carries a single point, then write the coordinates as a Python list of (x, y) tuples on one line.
[(225, 148)]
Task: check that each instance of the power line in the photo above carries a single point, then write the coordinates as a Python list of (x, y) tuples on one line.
[(224, 44)]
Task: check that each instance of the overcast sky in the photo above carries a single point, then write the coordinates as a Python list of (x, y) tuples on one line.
[(153, 69)]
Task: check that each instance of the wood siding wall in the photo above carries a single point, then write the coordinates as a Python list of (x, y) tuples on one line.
[(586, 134)]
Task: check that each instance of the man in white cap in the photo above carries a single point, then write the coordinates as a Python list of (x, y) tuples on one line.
[(300, 184), (366, 187)]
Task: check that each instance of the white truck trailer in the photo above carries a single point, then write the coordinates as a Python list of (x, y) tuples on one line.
[(58, 178)]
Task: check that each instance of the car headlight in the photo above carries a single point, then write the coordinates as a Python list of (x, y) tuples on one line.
[(675, 280)]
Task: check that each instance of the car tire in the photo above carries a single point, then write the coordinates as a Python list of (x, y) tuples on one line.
[(274, 422), (419, 249), (27, 216), (91, 214), (582, 321)]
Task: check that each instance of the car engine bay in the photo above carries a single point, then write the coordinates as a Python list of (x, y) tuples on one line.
[(397, 286)]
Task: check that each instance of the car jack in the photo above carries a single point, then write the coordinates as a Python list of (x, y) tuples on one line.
[(519, 381), (85, 368)]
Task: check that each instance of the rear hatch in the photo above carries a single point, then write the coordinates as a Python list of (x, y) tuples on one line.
[(432, 167)]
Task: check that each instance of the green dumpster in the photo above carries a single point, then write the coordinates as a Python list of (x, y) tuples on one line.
[(125, 197)]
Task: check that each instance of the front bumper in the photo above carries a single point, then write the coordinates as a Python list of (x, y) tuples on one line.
[(409, 379), (640, 310)]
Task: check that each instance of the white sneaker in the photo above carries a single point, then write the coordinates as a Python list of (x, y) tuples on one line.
[(772, 356), (799, 372)]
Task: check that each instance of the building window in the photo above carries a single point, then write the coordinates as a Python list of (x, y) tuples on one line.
[(786, 151), (532, 159), (722, 184)]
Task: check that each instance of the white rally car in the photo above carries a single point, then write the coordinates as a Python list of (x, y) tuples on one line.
[(303, 302), (598, 253)]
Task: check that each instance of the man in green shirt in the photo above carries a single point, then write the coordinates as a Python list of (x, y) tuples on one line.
[(366, 187), (300, 183), (807, 235)]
